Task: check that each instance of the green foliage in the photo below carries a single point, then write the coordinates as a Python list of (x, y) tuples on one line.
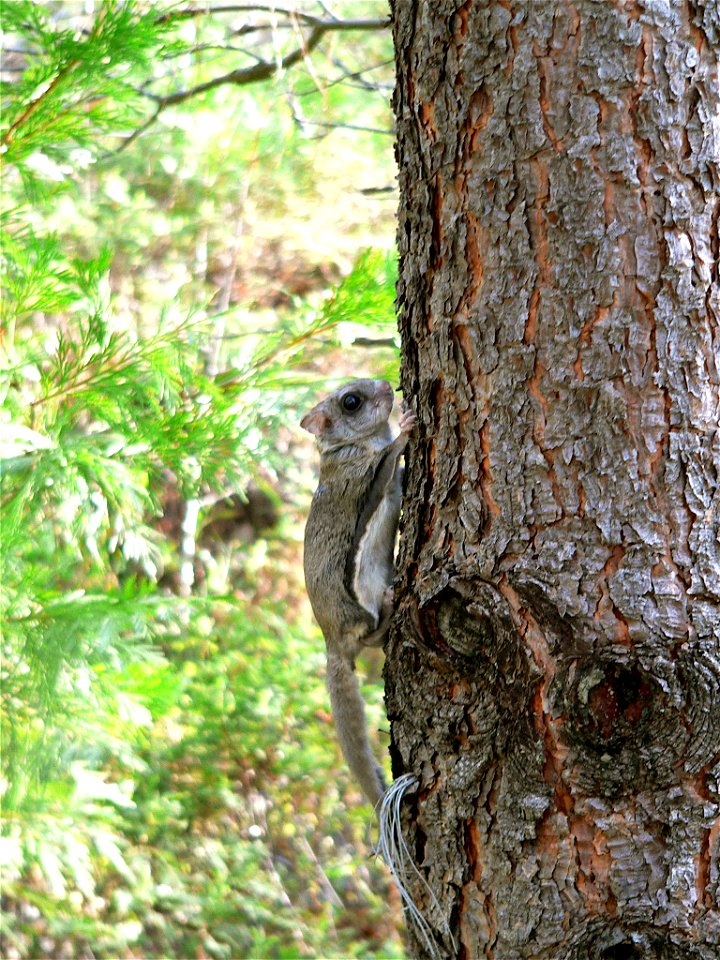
[(196, 845), (367, 292), (170, 783), (77, 86)]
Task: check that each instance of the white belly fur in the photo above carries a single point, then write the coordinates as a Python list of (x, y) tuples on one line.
[(373, 573)]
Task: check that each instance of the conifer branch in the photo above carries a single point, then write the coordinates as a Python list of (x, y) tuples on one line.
[(30, 109)]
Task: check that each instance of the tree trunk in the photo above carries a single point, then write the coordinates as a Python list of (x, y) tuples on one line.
[(554, 678)]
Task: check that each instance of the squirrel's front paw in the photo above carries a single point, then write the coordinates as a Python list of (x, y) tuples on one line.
[(407, 421), (388, 603)]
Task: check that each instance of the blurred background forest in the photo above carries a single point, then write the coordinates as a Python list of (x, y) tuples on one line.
[(197, 241)]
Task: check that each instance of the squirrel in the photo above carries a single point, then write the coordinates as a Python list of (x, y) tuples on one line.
[(350, 545)]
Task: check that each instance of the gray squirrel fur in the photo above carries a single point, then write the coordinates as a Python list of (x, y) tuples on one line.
[(350, 545)]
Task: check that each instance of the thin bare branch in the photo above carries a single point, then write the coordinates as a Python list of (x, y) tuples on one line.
[(245, 75), (367, 23), (264, 69), (133, 136), (346, 126)]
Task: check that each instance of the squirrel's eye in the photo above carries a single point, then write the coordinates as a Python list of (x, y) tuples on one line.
[(351, 402)]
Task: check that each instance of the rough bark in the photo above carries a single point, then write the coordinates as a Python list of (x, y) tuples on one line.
[(554, 678)]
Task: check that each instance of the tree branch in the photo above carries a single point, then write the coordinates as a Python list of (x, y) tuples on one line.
[(258, 72), (245, 75), (368, 23), (326, 125), (30, 109)]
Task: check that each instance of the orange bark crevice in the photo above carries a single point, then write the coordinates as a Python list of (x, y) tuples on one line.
[(539, 432), (512, 33), (585, 334), (474, 263), (461, 21), (610, 568), (537, 394), (644, 76), (472, 890), (540, 244), (612, 564), (480, 109), (426, 115), (593, 862), (436, 257), (486, 478), (709, 851), (557, 142)]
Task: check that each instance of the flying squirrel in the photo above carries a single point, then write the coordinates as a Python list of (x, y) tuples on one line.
[(350, 545)]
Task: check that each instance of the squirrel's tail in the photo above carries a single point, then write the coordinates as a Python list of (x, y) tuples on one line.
[(349, 717)]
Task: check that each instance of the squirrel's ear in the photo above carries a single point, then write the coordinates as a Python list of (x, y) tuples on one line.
[(315, 422)]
